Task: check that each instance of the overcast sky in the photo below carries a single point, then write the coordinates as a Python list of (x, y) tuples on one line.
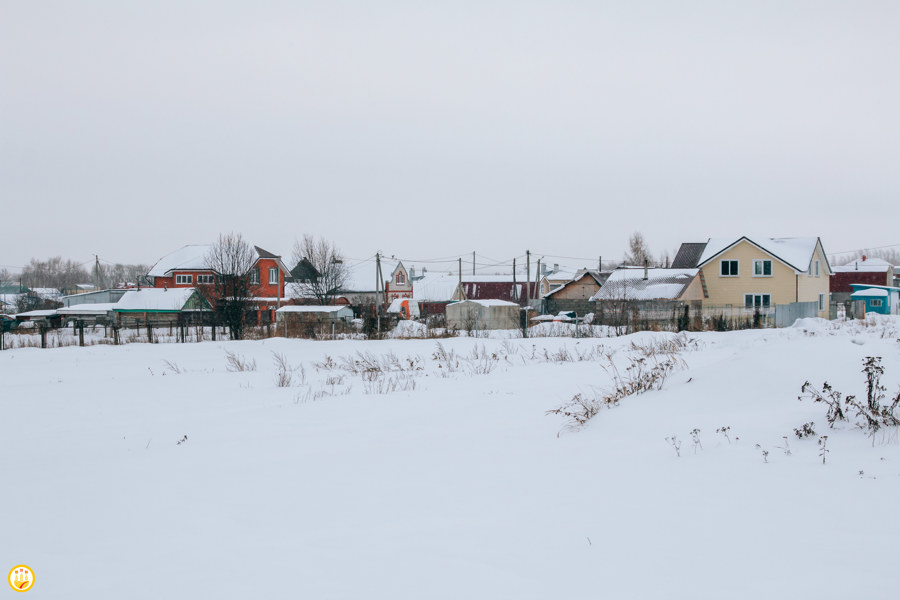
[(426, 129)]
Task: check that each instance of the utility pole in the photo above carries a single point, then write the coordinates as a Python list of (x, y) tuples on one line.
[(379, 290), (473, 262), (528, 276), (462, 291), (537, 279), (600, 263), (97, 271), (515, 287)]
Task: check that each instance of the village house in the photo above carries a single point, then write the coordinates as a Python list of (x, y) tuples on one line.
[(759, 273), (187, 268), (871, 271)]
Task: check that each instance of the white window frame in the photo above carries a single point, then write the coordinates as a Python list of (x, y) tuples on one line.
[(730, 260), (762, 304), (184, 279), (762, 262), (876, 302), (273, 276), (821, 301), (401, 278), (254, 276)]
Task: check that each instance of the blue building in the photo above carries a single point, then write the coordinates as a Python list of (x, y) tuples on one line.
[(881, 299)]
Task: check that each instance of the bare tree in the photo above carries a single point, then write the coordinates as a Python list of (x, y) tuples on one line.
[(330, 271), (234, 286), (53, 273), (638, 251)]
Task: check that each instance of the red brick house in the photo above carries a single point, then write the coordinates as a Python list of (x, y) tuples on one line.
[(186, 267), (872, 271)]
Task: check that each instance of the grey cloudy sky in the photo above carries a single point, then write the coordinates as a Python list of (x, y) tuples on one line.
[(425, 129)]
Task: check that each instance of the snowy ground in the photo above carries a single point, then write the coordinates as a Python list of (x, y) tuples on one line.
[(452, 482)]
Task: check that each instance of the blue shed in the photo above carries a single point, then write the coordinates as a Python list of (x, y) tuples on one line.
[(879, 299)]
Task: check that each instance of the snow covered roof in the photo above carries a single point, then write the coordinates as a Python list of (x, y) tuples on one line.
[(37, 313), (308, 308), (661, 284), (193, 258), (435, 287), (870, 265), (155, 300), (869, 293), (397, 306), (99, 308), (491, 303), (797, 253)]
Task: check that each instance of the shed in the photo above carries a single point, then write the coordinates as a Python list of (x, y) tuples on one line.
[(483, 314), (881, 299), (91, 312), (160, 306)]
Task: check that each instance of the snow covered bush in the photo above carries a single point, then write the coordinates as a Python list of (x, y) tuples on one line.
[(645, 372)]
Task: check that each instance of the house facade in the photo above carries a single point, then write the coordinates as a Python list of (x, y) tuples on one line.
[(872, 271), (187, 267), (760, 273)]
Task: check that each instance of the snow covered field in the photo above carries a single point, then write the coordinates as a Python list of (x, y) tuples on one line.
[(153, 471)]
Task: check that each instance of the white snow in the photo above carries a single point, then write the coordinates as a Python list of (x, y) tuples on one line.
[(454, 484), (155, 299), (190, 257), (870, 265), (869, 293), (629, 283)]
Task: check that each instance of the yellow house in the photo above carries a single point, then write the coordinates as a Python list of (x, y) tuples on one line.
[(763, 272)]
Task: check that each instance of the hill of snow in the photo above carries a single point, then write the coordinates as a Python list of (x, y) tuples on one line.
[(426, 469)]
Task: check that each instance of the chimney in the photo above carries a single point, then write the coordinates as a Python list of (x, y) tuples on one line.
[(646, 269), (556, 266), (543, 270), (412, 273)]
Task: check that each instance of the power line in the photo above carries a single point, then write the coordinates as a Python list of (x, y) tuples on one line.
[(865, 249)]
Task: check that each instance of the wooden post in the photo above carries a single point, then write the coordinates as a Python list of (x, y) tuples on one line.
[(115, 331), (149, 331), (43, 330), (182, 333), (214, 329), (81, 333)]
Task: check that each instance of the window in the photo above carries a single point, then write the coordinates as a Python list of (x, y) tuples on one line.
[(817, 268), (875, 302), (273, 276), (728, 268), (762, 268), (821, 301), (184, 279), (400, 278), (204, 278), (254, 276), (754, 301)]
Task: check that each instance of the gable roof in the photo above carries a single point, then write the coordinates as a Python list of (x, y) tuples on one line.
[(598, 278), (661, 284), (157, 300), (797, 253), (193, 258)]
